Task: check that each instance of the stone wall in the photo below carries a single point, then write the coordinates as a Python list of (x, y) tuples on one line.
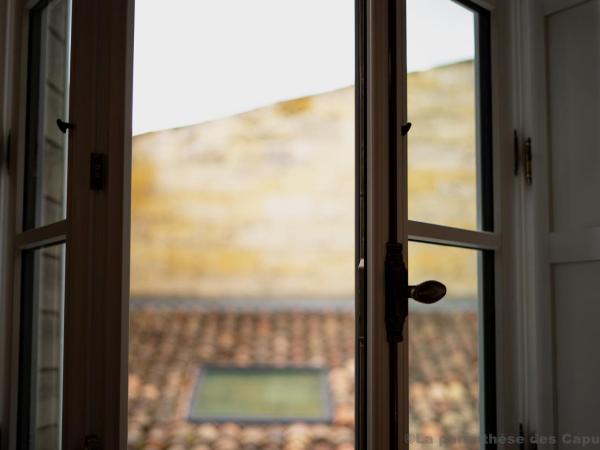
[(256, 205), (261, 204)]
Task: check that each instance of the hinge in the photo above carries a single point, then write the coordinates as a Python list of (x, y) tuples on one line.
[(524, 158), (527, 163)]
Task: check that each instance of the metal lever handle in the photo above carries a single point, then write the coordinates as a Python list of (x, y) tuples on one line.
[(427, 292)]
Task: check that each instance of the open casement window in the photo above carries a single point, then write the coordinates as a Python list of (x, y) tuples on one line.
[(71, 252), (442, 203), (70, 170)]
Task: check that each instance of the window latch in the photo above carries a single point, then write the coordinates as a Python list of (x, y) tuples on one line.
[(64, 126), (397, 292)]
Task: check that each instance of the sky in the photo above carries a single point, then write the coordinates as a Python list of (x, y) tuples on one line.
[(199, 60)]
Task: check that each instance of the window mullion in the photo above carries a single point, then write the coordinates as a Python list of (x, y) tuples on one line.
[(457, 237)]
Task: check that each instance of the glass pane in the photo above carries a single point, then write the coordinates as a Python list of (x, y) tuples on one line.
[(48, 92), (442, 144), (42, 319), (443, 350)]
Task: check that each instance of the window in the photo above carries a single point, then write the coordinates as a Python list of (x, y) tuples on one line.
[(450, 202), (48, 94), (42, 243)]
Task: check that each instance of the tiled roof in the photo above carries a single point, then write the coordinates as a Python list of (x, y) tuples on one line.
[(168, 347)]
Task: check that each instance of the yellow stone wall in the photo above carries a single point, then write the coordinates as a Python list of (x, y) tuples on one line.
[(261, 204)]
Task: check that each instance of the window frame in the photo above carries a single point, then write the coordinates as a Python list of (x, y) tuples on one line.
[(7, 39), (499, 364), (32, 237), (507, 293), (104, 122)]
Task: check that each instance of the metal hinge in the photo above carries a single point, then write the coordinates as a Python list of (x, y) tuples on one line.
[(527, 161), (523, 158)]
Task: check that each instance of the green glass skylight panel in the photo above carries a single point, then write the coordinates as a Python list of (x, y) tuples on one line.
[(259, 394)]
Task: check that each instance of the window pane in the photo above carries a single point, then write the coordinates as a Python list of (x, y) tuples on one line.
[(443, 350), (42, 318), (442, 144), (48, 89)]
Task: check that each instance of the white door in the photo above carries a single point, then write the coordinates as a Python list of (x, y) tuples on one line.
[(561, 113)]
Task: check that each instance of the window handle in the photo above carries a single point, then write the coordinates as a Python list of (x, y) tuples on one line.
[(64, 126), (427, 292)]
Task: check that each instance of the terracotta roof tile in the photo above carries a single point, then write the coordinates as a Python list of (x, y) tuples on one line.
[(167, 347)]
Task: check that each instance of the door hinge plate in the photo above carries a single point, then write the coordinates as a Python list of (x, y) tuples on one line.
[(522, 158), (527, 163)]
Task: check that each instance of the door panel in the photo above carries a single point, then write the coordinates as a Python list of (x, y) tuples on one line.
[(563, 219), (577, 365), (572, 70), (573, 111)]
